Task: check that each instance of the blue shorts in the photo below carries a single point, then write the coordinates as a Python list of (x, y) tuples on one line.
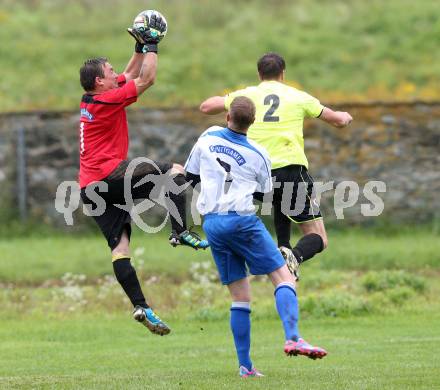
[(239, 242)]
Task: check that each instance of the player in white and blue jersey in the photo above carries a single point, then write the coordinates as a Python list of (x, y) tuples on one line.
[(231, 169)]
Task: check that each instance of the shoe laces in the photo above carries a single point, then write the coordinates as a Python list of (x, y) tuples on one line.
[(304, 344), (190, 233), (244, 372), (152, 315)]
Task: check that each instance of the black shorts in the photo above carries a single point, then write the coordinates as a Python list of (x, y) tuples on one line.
[(112, 219), (299, 201)]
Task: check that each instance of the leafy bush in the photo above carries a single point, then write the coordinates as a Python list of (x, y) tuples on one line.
[(386, 280), (203, 298), (334, 304), (203, 289)]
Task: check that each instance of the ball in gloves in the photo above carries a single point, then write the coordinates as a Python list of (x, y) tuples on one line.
[(149, 26)]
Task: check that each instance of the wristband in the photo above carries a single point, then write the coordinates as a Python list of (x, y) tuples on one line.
[(151, 48), (139, 48)]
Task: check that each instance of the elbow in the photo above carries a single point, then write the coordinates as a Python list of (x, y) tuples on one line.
[(130, 76), (142, 85), (213, 105), (204, 108), (149, 82)]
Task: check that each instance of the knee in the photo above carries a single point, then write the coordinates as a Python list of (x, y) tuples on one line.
[(121, 250), (241, 297)]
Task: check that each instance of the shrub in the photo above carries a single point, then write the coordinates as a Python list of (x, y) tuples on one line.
[(385, 280)]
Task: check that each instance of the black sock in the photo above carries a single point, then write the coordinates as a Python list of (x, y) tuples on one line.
[(308, 246), (127, 278), (177, 205), (282, 226)]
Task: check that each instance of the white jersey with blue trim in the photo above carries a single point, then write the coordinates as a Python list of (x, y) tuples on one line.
[(231, 169)]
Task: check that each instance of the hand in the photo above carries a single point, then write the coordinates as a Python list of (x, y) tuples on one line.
[(157, 26), (139, 46), (135, 33), (148, 38)]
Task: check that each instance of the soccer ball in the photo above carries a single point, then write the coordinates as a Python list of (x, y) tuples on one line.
[(141, 21)]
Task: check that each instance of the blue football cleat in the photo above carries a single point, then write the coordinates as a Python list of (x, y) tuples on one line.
[(151, 320), (188, 238)]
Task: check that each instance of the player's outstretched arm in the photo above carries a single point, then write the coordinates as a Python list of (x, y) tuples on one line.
[(336, 118), (133, 68), (147, 40), (147, 74), (213, 105)]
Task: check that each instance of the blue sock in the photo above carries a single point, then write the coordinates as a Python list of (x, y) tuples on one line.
[(287, 306), (241, 330)]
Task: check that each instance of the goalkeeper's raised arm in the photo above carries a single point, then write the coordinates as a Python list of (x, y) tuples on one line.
[(143, 65)]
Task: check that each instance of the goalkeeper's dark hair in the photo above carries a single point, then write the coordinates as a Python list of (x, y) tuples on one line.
[(270, 66), (242, 112), (91, 69)]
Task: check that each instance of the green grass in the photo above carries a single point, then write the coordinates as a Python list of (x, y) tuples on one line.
[(211, 46), (36, 259), (371, 300), (49, 258), (323, 294), (110, 352), (364, 250)]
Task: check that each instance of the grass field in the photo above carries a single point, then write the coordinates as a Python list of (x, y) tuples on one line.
[(371, 300), (108, 352), (336, 50), (49, 258)]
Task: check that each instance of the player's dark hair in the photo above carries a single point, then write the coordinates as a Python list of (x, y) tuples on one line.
[(270, 66), (242, 112), (91, 69)]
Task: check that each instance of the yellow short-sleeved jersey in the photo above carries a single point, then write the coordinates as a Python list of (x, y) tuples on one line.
[(278, 126)]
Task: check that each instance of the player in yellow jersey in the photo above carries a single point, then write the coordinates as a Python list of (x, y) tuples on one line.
[(278, 126)]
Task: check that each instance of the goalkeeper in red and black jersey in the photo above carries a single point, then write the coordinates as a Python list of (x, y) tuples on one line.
[(104, 167)]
